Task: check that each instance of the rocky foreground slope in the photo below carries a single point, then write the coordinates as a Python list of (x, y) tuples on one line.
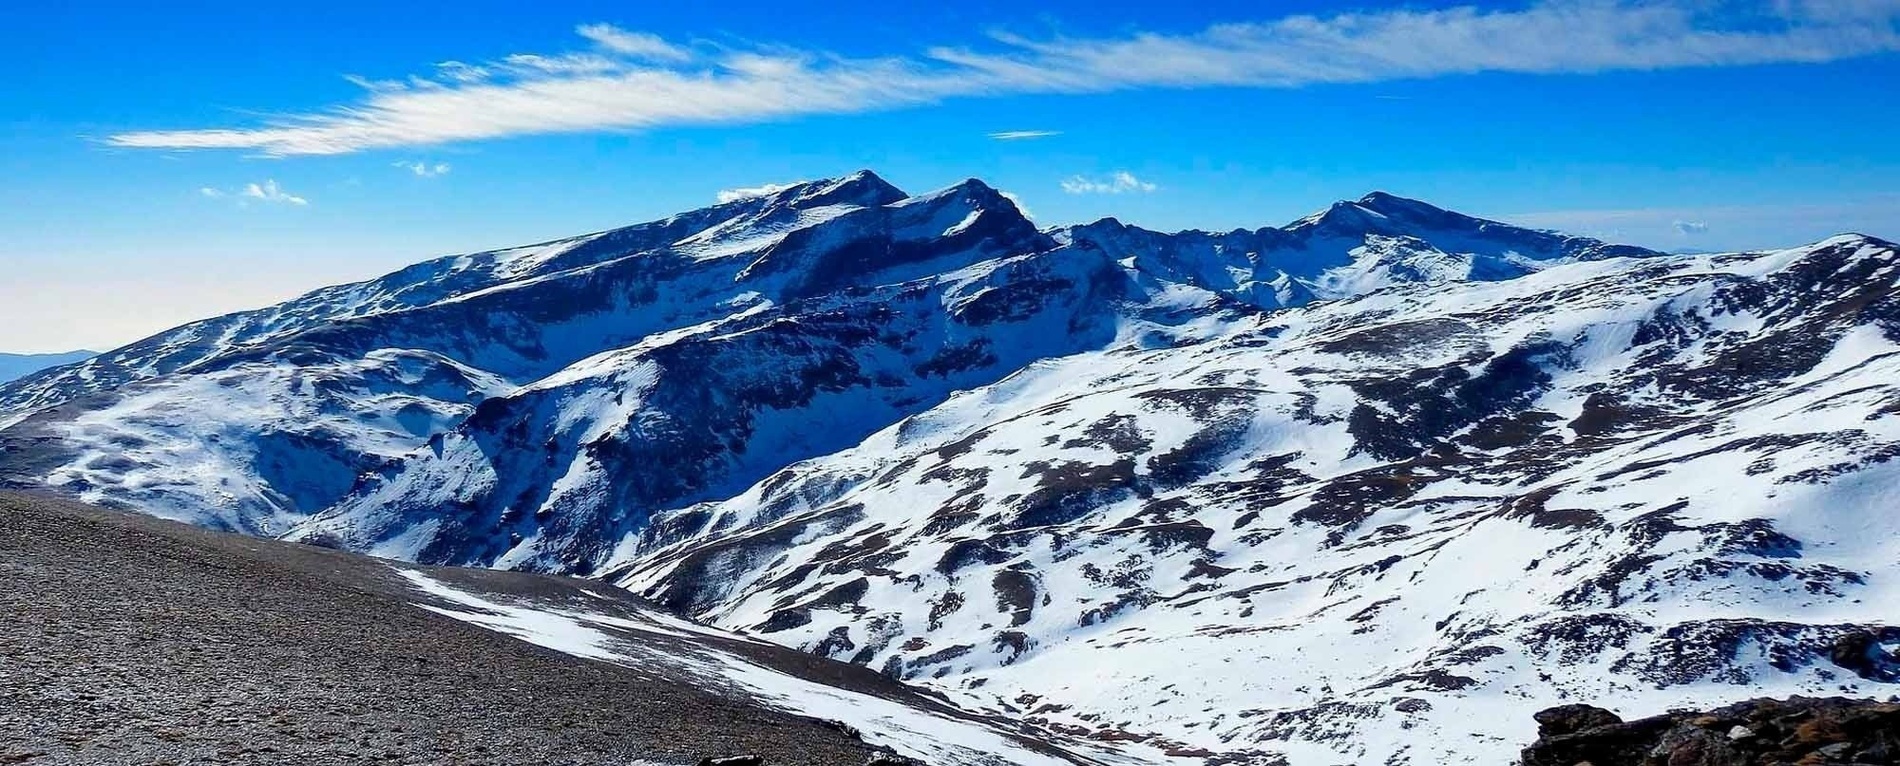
[(1760, 732), (1358, 489), (134, 640)]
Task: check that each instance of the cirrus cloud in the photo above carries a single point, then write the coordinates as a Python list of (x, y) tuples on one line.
[(631, 80), (1023, 135), (267, 192), (634, 44)]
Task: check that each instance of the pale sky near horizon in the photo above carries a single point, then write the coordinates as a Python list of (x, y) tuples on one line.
[(169, 164)]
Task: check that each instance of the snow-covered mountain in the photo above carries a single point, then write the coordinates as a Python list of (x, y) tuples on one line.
[(16, 366), (1358, 532), (1365, 488), (1349, 249)]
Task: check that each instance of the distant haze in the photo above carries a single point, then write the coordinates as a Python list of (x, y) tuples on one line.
[(14, 366)]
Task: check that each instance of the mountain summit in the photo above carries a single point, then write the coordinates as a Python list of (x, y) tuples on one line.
[(1438, 470)]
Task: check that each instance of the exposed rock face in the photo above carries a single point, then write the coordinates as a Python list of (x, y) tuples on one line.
[(1866, 655), (1763, 732)]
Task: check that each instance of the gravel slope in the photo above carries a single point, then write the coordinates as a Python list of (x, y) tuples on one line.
[(136, 640)]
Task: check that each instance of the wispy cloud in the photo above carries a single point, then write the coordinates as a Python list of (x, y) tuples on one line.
[(1690, 228), (266, 192), (1022, 135), (456, 71), (1120, 182), (633, 44), (270, 192), (734, 195), (426, 169), (631, 80)]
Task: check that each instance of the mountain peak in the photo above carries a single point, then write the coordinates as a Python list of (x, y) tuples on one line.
[(1408, 209), (970, 192), (976, 189), (1383, 201), (1377, 196), (865, 178), (1854, 238), (1388, 214), (863, 188), (1342, 215)]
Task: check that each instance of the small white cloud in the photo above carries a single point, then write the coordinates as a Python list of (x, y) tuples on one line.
[(1691, 228), (424, 169), (1021, 135), (734, 195), (633, 44), (269, 191), (1121, 182), (1018, 202)]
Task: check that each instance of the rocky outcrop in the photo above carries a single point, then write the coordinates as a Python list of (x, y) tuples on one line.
[(1798, 730), (1864, 653)]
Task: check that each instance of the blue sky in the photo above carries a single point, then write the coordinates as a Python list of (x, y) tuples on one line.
[(165, 164)]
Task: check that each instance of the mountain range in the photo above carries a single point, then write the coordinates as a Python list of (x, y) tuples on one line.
[(1363, 488)]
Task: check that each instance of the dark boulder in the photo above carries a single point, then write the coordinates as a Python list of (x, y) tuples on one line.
[(1570, 719)]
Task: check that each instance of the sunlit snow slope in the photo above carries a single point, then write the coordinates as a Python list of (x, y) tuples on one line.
[(1372, 530)]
